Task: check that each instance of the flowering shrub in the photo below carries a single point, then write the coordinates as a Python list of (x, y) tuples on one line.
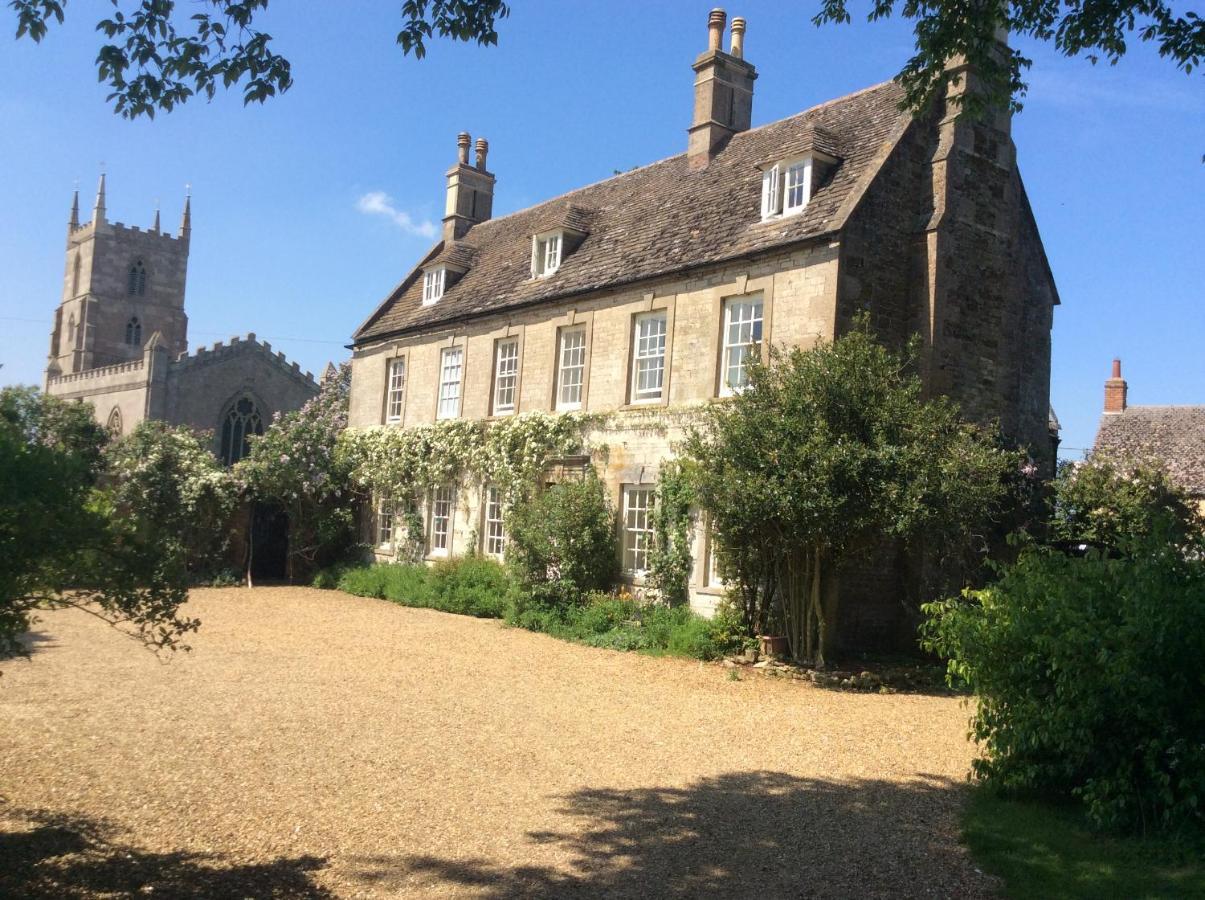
[(295, 464), (170, 487), (509, 453)]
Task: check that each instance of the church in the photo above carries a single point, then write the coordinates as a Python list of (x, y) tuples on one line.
[(120, 340)]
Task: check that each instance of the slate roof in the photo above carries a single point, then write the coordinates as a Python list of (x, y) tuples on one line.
[(1173, 434), (661, 218)]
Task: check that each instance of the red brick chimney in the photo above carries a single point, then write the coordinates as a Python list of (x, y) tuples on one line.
[(1115, 390)]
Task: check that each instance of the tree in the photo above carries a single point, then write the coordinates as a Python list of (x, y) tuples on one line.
[(155, 62), (824, 453), (1085, 665), (158, 58), (294, 465), (1110, 500), (60, 544)]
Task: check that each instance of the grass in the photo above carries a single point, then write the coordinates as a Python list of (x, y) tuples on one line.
[(1047, 851)]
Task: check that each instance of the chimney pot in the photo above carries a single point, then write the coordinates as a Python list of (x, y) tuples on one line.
[(738, 37), (1116, 390), (483, 149), (715, 28), (462, 147)]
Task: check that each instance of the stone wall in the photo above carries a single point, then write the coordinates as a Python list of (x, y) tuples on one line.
[(201, 387), (100, 301), (123, 387)]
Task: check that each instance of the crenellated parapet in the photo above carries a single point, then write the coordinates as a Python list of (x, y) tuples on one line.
[(102, 372), (218, 352)]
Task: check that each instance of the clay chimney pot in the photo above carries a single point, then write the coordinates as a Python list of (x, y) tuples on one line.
[(462, 148), (738, 37), (483, 149), (715, 28)]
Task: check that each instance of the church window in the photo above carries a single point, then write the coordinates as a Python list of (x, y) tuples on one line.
[(136, 280), (71, 330), (113, 427), (242, 420), (134, 332)]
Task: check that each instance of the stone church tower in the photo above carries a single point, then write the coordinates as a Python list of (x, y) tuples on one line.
[(120, 340), (120, 286)]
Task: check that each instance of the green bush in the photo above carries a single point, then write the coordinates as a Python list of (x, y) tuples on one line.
[(1088, 674), (471, 586), (467, 586), (561, 542)]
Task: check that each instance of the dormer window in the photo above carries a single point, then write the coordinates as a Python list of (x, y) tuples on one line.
[(546, 253), (433, 284), (786, 188)]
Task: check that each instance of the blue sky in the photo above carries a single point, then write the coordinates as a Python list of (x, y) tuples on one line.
[(306, 211)]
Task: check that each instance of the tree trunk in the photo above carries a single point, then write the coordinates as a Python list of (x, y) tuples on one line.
[(817, 605), (830, 601)]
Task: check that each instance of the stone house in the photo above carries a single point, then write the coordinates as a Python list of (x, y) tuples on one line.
[(1172, 435), (640, 297), (120, 340)]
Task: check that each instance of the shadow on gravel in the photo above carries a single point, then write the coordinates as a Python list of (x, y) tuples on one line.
[(747, 834), (46, 855)]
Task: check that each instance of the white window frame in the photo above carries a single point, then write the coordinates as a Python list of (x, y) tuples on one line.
[(395, 390), (569, 365), (441, 518), (547, 250), (506, 376), (386, 534), (433, 284), (649, 352), (711, 576), (639, 501), (786, 187), (451, 383), (771, 195), (729, 346), (494, 533)]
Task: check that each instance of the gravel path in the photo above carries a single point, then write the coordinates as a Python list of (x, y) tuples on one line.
[(315, 745)]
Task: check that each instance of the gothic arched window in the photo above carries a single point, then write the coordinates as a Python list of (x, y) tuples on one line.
[(114, 423), (242, 420), (136, 282), (134, 332)]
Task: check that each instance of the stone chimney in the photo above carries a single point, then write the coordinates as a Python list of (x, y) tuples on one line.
[(470, 190), (1115, 390), (723, 92)]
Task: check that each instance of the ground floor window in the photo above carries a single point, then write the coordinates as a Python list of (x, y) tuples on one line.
[(385, 522), (712, 574), (495, 528), (442, 504), (638, 502)]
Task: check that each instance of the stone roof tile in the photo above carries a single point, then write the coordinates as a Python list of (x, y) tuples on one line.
[(661, 218), (1174, 435)]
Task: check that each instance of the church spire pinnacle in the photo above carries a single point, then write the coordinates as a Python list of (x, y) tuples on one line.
[(98, 210), (155, 227), (74, 223), (186, 219)]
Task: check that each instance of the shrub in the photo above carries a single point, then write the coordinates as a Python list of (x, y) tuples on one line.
[(471, 586), (561, 542), (1088, 677)]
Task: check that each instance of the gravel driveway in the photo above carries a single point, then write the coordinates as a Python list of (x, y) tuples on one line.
[(319, 745)]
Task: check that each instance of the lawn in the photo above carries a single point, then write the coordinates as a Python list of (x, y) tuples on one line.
[(1050, 852)]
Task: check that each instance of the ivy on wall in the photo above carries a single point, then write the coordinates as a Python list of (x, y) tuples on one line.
[(669, 560), (508, 453)]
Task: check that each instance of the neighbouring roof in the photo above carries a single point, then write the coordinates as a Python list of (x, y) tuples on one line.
[(1173, 434), (662, 218)]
